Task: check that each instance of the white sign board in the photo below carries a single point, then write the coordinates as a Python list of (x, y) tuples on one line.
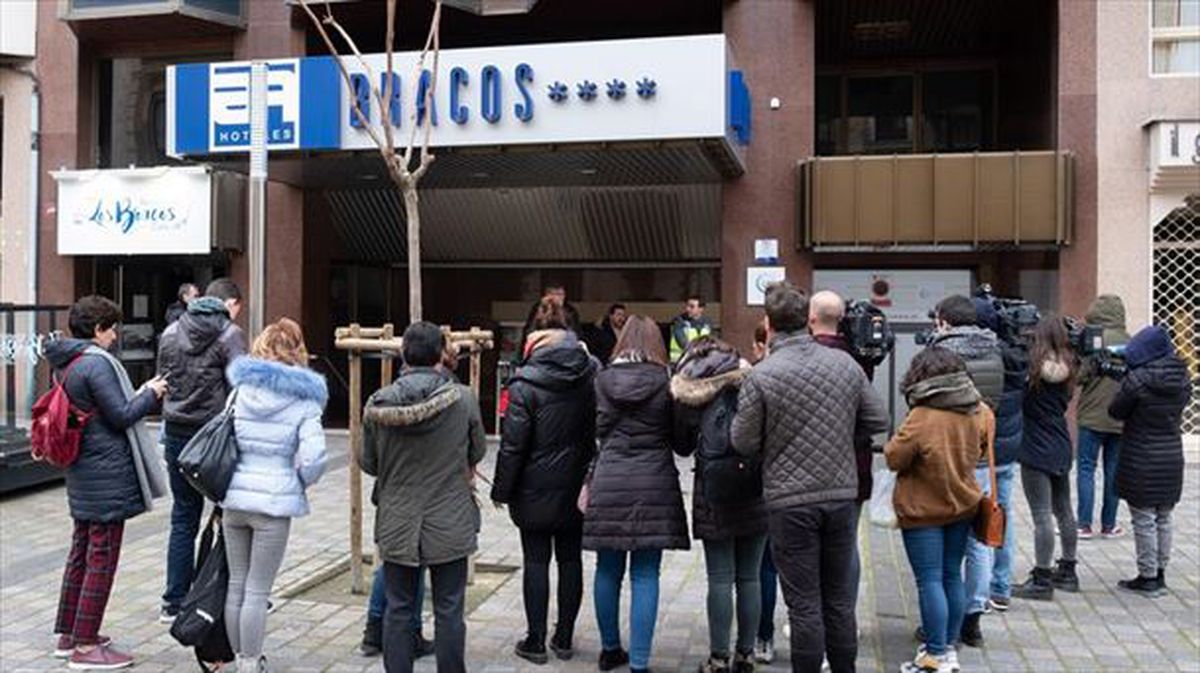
[(1177, 143), (660, 88), (757, 280), (904, 296), (139, 211)]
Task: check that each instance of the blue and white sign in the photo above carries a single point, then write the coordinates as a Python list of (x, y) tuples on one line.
[(607, 91), (138, 211)]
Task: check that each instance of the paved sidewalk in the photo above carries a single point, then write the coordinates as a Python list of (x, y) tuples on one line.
[(1099, 629)]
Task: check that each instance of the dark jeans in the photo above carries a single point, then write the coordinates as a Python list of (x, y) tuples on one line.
[(566, 549), (736, 562), (1049, 498), (936, 556), (1091, 445), (449, 584), (186, 509), (814, 549), (768, 580), (377, 602)]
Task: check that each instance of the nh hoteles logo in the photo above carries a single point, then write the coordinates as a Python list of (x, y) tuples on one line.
[(229, 104)]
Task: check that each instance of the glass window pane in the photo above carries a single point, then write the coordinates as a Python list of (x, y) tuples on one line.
[(1178, 57), (1166, 13), (957, 111), (879, 116), (829, 122), (1189, 13), (229, 7)]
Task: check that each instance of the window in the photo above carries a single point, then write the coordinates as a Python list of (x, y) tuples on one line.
[(1175, 37), (879, 114), (956, 107)]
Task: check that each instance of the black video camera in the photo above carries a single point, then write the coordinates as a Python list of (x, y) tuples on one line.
[(1016, 317), (1088, 342), (865, 328)]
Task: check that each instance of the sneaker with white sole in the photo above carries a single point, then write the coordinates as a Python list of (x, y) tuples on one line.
[(764, 651), (99, 658), (1112, 533), (66, 645), (167, 615)]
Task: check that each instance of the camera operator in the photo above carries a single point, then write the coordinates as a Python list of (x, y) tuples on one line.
[(956, 331), (989, 571), (1099, 433)]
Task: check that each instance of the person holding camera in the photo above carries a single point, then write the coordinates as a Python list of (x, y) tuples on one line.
[(955, 330), (1099, 433), (988, 570), (1045, 458), (1150, 402)]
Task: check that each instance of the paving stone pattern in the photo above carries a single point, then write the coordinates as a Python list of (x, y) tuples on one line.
[(1099, 629)]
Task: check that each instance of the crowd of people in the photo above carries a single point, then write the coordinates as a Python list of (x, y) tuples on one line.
[(781, 442)]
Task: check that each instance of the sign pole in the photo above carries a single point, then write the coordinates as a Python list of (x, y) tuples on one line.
[(258, 196)]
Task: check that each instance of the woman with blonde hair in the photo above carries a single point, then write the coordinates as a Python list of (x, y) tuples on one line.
[(278, 403)]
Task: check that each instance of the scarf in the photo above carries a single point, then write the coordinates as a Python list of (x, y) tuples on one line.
[(152, 477), (952, 392)]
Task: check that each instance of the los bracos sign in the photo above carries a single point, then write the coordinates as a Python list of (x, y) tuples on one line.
[(140, 211)]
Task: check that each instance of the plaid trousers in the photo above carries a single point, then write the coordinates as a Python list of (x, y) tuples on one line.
[(88, 579)]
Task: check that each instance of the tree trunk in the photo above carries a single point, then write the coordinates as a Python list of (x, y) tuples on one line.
[(413, 216)]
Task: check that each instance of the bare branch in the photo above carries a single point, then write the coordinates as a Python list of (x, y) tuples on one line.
[(435, 31), (420, 68), (345, 73), (390, 46), (371, 79)]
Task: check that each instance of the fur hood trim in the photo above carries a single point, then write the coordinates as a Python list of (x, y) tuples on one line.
[(297, 382), (699, 392), (1055, 370), (406, 415)]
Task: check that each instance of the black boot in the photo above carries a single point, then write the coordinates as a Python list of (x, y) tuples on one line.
[(972, 635), (1162, 579), (1039, 586), (372, 642), (1150, 587), (1065, 577), (532, 649), (562, 646), (610, 659), (422, 647)]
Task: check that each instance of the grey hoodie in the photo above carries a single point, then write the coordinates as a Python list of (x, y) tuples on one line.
[(1096, 392)]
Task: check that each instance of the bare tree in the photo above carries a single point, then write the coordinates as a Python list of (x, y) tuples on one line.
[(399, 163)]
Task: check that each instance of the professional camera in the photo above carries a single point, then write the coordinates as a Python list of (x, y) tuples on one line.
[(1016, 317), (866, 330), (1088, 342)]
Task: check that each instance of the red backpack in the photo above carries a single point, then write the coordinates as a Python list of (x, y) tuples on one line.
[(57, 424)]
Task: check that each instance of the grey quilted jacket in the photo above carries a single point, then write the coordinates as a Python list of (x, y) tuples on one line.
[(801, 408), (980, 350)]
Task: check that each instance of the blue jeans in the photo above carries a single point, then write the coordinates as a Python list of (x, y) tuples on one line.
[(989, 571), (936, 554), (643, 610), (377, 603), (186, 510), (769, 582), (1091, 443), (729, 563)]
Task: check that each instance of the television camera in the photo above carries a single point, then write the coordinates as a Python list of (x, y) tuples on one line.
[(865, 328), (1088, 342)]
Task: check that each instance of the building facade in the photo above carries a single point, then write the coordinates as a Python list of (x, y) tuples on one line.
[(898, 150)]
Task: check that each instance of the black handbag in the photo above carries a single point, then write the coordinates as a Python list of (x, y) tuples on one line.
[(209, 458), (200, 623)]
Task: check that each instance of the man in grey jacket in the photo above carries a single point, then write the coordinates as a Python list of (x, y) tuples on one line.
[(800, 409), (422, 438), (193, 353), (956, 330)]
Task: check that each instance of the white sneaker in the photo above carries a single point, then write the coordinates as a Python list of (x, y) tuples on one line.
[(950, 662), (764, 651)]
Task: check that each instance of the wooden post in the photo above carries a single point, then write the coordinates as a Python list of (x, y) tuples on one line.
[(356, 555), (476, 361), (385, 365)]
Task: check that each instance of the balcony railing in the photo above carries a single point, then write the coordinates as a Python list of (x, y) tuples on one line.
[(982, 199)]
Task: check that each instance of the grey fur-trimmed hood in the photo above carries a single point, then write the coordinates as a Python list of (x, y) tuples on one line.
[(414, 399), (699, 392)]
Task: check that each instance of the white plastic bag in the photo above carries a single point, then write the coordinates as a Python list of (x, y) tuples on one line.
[(883, 511)]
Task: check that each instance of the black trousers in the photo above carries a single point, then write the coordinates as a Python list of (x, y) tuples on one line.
[(537, 548), (449, 584), (814, 549)]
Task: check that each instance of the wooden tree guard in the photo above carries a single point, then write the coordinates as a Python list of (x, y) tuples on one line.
[(357, 340)]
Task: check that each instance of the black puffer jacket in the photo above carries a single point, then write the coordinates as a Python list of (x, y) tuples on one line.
[(1010, 415), (193, 353), (102, 484), (635, 501), (548, 438), (711, 379), (1046, 442), (980, 349), (1150, 402)]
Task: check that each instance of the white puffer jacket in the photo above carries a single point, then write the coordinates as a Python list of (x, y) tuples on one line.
[(277, 417)]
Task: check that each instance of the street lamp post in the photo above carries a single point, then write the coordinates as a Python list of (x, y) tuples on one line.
[(258, 196)]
